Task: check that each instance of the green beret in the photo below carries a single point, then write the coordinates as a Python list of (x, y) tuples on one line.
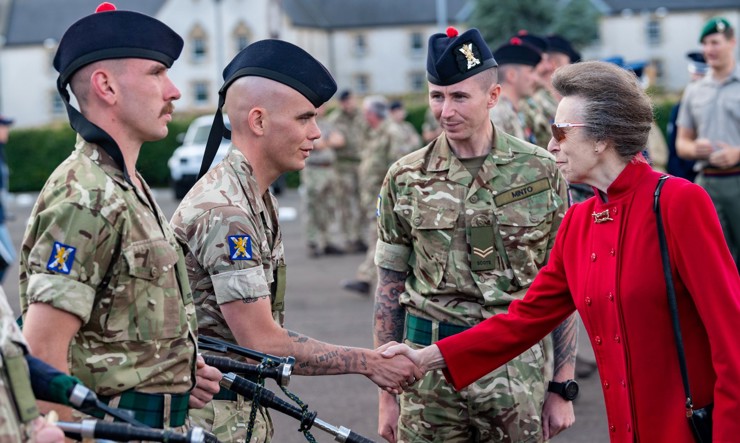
[(714, 25)]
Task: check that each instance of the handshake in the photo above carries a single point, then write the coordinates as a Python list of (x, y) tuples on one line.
[(400, 366)]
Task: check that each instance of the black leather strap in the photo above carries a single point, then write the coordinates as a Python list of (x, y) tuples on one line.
[(672, 304)]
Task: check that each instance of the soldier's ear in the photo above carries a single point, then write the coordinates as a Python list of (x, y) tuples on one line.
[(257, 120), (103, 86), (494, 92)]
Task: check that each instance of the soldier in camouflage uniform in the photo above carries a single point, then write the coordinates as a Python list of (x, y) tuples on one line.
[(411, 138), (236, 261), (350, 123), (19, 416), (103, 285), (319, 180), (516, 74), (464, 226), (430, 129), (384, 143)]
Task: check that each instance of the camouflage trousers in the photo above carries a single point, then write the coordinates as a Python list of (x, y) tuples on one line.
[(503, 407), (350, 219), (367, 271), (320, 203), (228, 421)]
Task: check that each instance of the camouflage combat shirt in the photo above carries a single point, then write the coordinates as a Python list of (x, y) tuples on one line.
[(236, 246), (428, 207), (507, 119), (352, 126), (13, 345), (539, 113), (100, 249)]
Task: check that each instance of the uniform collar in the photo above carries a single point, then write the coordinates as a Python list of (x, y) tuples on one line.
[(245, 174), (441, 157), (101, 158)]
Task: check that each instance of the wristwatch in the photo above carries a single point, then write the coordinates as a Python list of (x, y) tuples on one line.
[(567, 389)]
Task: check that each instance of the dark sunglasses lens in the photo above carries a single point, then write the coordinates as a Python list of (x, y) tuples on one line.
[(557, 133)]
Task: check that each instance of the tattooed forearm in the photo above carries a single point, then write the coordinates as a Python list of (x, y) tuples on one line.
[(314, 357), (565, 342), (389, 315)]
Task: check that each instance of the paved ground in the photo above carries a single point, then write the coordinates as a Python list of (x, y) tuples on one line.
[(316, 306)]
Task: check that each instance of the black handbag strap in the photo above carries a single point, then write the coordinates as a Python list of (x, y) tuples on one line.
[(671, 294)]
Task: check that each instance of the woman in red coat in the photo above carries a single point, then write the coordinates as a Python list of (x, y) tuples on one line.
[(606, 264)]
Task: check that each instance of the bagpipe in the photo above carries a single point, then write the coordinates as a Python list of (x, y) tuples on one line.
[(51, 385), (237, 380)]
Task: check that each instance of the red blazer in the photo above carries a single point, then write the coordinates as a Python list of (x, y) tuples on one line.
[(611, 273)]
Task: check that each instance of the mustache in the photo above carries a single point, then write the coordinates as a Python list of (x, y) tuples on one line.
[(168, 109)]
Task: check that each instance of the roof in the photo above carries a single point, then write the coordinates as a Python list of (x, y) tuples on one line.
[(616, 6), (337, 14), (34, 21)]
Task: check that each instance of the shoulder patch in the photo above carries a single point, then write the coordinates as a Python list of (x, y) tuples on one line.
[(377, 205), (522, 192), (240, 247), (61, 259)]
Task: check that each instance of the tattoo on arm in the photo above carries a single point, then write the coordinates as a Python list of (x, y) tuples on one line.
[(565, 342), (389, 315)]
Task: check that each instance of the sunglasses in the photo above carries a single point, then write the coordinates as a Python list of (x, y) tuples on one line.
[(558, 129)]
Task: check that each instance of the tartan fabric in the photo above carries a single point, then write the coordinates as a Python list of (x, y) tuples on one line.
[(419, 330), (149, 408)]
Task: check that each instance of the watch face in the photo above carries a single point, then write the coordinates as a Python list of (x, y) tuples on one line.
[(571, 390)]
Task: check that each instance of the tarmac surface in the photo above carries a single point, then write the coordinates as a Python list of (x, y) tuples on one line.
[(316, 306)]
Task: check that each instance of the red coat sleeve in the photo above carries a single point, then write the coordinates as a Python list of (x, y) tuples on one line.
[(703, 261), (483, 348)]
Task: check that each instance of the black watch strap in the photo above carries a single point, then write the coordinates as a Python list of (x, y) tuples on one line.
[(567, 389)]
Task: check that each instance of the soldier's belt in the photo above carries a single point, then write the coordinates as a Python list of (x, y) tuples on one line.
[(425, 332), (717, 172), (150, 408)]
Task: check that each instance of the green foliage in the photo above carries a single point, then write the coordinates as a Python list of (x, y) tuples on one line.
[(499, 20), (662, 112), (33, 154), (578, 21), (415, 114)]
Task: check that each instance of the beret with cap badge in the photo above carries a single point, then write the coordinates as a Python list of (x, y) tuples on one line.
[(713, 26), (516, 52), (453, 57)]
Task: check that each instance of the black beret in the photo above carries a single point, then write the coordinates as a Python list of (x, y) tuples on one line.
[(536, 41), (452, 58), (517, 52), (5, 121), (697, 65), (396, 104), (110, 34), (563, 46), (285, 63), (345, 94)]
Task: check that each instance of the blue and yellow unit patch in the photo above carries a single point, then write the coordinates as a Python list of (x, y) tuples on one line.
[(377, 205), (240, 247), (61, 259)]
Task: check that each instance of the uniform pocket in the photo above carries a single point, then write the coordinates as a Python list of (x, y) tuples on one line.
[(147, 303), (433, 227), (525, 228)]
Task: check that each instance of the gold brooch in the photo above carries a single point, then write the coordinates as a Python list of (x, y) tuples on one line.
[(467, 51), (601, 217)]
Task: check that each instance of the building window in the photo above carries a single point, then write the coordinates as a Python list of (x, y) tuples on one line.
[(653, 30), (200, 93), (198, 47), (417, 81), (417, 43), (360, 45), (362, 83), (241, 36), (57, 104)]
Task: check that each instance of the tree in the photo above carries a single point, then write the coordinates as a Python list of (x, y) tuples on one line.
[(499, 20), (578, 21)]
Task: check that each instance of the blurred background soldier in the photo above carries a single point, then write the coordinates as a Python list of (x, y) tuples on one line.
[(7, 250), (319, 179), (350, 123), (539, 108), (709, 127), (516, 65), (430, 129), (678, 166), (411, 138), (384, 143), (19, 416)]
